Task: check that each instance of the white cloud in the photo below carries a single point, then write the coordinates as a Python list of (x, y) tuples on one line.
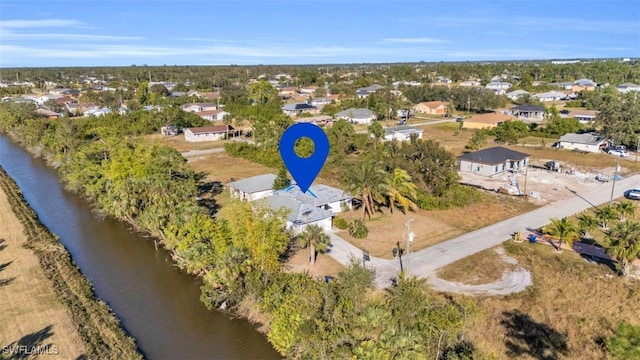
[(416, 40), (9, 35), (43, 23)]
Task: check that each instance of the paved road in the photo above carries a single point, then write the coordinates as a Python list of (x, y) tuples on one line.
[(426, 261)]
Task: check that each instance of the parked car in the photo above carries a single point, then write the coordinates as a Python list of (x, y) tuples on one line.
[(621, 153), (633, 194), (602, 178)]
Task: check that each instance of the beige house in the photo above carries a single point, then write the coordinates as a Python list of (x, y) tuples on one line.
[(431, 108), (485, 121), (207, 133)]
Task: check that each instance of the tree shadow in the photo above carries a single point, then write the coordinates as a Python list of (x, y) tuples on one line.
[(525, 336), (24, 348), (7, 281), (4, 266), (2, 246)]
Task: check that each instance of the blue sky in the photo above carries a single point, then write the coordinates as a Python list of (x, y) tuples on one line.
[(243, 32)]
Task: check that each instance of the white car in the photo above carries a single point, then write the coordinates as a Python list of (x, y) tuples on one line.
[(620, 153)]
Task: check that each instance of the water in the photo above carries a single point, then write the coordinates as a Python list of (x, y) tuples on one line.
[(157, 304)]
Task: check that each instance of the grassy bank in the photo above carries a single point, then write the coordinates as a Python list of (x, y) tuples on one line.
[(98, 327)]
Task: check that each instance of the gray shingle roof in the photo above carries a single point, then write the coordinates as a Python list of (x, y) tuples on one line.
[(402, 130), (298, 106), (317, 195), (528, 108), (494, 155), (356, 113), (254, 184), (588, 138), (299, 212)]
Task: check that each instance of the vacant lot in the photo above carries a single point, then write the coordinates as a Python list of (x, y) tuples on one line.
[(179, 143), (432, 227), (31, 313), (565, 314)]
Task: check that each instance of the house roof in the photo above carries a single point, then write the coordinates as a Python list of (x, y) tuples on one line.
[(300, 212), (584, 82), (254, 184), (316, 195), (356, 113), (298, 106), (586, 138), (550, 94), (402, 130), (208, 112), (517, 93), (211, 129), (199, 104), (494, 155), (314, 119), (434, 104), (528, 108), (490, 118), (583, 113), (46, 112)]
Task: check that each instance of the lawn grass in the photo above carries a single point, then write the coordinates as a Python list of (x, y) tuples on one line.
[(572, 305), (179, 143)]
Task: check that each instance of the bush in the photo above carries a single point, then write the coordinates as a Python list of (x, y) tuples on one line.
[(358, 230), (340, 223)]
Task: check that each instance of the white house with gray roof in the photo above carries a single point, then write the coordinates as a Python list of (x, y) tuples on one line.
[(590, 142), (321, 196), (401, 133), (253, 188), (357, 115), (300, 215)]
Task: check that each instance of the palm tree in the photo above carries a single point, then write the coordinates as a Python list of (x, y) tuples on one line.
[(401, 191), (625, 209), (369, 183), (586, 224), (563, 230), (317, 241), (605, 215), (624, 243)]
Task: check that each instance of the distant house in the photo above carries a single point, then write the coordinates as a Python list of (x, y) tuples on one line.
[(207, 133), (299, 108), (431, 107), (470, 83), (321, 101), (212, 115), (308, 90), (210, 95), (489, 120), (627, 87), (47, 113), (516, 94), (584, 142), (402, 133), (199, 107), (362, 93), (492, 161), (320, 120), (357, 115), (550, 96), (499, 86), (253, 188), (529, 113), (583, 116)]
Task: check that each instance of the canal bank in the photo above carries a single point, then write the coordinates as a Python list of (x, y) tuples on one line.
[(157, 304)]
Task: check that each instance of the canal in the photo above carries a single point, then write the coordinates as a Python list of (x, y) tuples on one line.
[(157, 304)]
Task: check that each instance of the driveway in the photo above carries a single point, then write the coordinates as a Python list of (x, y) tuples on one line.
[(426, 262)]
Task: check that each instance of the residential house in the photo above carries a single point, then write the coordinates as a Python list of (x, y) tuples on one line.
[(366, 91), (300, 215), (321, 101), (212, 115), (516, 94), (397, 84), (470, 83), (432, 108), (253, 188), (401, 133), (483, 121), (499, 87), (199, 107), (320, 196), (550, 96), (492, 161), (207, 133), (563, 85), (320, 120), (528, 113), (584, 116), (308, 90), (627, 87), (299, 108), (58, 91), (215, 95), (357, 115), (590, 142), (47, 113)]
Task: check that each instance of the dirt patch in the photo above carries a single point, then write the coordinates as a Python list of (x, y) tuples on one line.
[(325, 264), (223, 167), (30, 309), (481, 268), (179, 143)]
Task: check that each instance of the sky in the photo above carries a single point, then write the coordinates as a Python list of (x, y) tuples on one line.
[(37, 33)]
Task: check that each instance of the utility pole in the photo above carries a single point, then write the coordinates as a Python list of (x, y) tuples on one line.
[(526, 171), (409, 239), (613, 186), (637, 148)]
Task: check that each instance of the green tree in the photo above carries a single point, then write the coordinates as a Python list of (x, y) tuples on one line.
[(606, 214), (477, 141), (368, 182), (586, 224), (262, 92), (316, 240), (563, 230), (142, 93), (377, 132), (510, 131), (282, 180), (624, 209), (624, 243), (625, 342), (401, 192), (557, 125)]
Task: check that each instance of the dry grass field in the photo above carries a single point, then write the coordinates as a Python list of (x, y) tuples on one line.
[(480, 268), (31, 314), (572, 305), (179, 143)]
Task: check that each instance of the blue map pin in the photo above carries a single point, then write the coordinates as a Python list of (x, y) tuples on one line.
[(304, 170)]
